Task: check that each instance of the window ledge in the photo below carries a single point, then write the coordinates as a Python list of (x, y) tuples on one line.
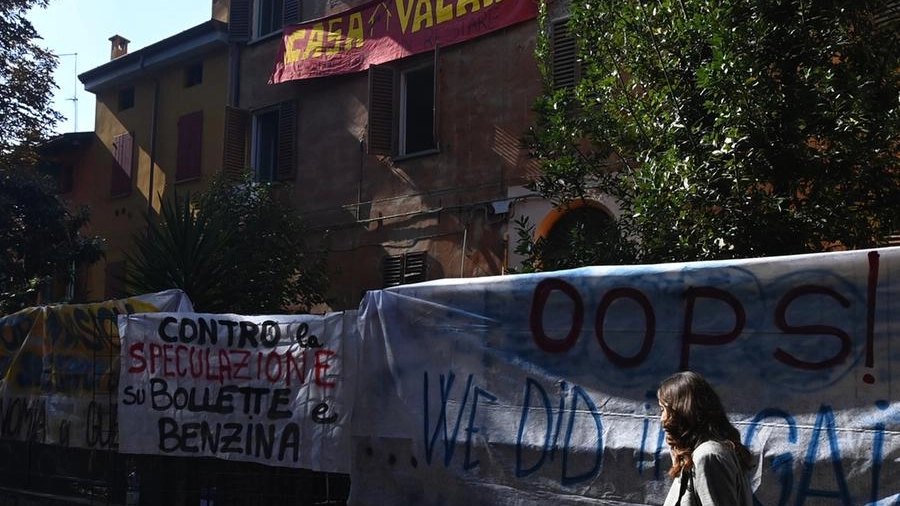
[(265, 38), (417, 154)]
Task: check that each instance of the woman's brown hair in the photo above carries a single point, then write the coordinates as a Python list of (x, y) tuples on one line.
[(695, 415)]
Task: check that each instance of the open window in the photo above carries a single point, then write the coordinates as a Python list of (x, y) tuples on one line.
[(255, 19), (403, 113), (273, 144)]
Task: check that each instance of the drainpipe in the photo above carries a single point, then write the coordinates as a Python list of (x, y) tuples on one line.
[(153, 121)]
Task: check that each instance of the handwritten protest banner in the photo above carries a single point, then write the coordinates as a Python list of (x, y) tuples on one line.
[(276, 390), (540, 389), (59, 370)]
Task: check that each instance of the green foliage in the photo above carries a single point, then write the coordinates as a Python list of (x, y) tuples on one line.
[(232, 249), (727, 128), (39, 237), (26, 85)]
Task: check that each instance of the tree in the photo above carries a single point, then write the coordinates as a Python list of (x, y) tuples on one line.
[(39, 237), (232, 249), (26, 86), (725, 128)]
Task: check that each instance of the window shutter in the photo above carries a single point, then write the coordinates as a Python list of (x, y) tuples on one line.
[(233, 155), (381, 110), (190, 142), (392, 271), (405, 269), (291, 12), (564, 59), (239, 20), (888, 16), (120, 183), (414, 267), (286, 162)]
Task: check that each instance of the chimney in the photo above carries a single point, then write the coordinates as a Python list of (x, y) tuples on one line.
[(119, 46), (220, 10)]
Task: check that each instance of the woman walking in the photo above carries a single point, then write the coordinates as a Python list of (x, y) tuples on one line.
[(709, 461)]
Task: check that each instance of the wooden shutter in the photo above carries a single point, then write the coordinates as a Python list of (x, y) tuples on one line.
[(392, 271), (564, 56), (190, 143), (405, 269), (235, 145), (239, 20), (414, 267), (286, 161), (291, 13), (123, 149), (381, 110), (888, 16)]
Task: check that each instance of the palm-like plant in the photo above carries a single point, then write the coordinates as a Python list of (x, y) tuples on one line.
[(184, 249)]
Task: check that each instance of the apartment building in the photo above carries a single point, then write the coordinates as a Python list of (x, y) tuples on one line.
[(405, 166)]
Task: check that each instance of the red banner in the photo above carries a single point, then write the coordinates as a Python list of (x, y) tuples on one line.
[(385, 30)]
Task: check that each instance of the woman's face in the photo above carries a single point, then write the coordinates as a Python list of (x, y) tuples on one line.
[(663, 414)]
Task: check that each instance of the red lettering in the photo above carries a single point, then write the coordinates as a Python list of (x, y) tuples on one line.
[(321, 366), (690, 338), (649, 326), (541, 294), (807, 330), (136, 352)]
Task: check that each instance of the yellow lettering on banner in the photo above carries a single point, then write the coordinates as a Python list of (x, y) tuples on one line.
[(355, 32), (314, 44), (424, 16), (291, 53), (404, 11), (444, 12), (462, 4), (335, 35)]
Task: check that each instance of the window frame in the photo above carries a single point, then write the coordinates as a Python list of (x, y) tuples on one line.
[(283, 164), (388, 119)]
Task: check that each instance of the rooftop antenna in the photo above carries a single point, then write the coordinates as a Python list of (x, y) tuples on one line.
[(74, 98)]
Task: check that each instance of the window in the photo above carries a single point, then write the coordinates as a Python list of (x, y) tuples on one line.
[(126, 98), (405, 269), (120, 182), (193, 74), (564, 60), (190, 144), (273, 143), (266, 17), (403, 108)]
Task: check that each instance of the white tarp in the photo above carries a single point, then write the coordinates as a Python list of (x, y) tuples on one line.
[(274, 389), (540, 389)]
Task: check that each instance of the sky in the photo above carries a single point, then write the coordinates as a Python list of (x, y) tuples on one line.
[(78, 31)]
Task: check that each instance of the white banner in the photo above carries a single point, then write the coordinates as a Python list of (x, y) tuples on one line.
[(540, 389), (269, 389)]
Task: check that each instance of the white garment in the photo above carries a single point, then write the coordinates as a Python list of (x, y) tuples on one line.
[(717, 479)]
